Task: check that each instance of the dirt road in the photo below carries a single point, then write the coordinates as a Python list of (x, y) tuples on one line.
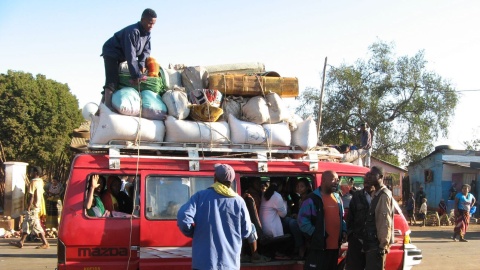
[(441, 252)]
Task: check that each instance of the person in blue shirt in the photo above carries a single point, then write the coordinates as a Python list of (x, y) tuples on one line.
[(464, 201), (131, 44), (217, 219)]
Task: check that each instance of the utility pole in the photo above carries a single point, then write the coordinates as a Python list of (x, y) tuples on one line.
[(320, 101)]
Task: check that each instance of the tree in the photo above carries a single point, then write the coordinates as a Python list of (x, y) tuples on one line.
[(473, 144), (406, 105), (37, 118)]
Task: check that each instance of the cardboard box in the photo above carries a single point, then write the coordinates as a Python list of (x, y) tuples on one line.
[(7, 224)]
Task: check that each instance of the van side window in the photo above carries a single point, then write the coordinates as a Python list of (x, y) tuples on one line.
[(114, 196), (165, 195)]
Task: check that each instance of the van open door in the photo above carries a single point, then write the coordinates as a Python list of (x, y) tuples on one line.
[(161, 242)]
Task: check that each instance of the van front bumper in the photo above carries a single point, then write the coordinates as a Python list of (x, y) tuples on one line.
[(412, 256)]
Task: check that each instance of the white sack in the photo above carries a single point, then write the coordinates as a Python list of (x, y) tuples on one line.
[(177, 103), (185, 131), (243, 132), (306, 134), (278, 134), (256, 110), (276, 108), (112, 126), (172, 77)]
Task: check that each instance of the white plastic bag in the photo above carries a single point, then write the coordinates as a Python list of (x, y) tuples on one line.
[(177, 103)]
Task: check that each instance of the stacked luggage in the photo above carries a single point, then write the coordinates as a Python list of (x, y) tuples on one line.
[(224, 104)]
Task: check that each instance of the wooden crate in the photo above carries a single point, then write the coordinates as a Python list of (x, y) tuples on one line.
[(243, 85)]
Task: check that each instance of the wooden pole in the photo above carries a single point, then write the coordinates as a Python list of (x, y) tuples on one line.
[(320, 101)]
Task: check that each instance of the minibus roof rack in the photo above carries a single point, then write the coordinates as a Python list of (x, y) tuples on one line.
[(195, 152)]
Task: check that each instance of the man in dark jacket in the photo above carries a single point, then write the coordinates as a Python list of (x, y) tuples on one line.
[(320, 218), (131, 44), (357, 215)]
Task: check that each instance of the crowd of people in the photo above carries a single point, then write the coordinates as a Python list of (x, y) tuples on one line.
[(285, 218), (463, 208)]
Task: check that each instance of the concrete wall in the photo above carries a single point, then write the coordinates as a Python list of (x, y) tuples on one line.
[(15, 175)]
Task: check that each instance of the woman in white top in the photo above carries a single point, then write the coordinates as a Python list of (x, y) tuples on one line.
[(272, 208)]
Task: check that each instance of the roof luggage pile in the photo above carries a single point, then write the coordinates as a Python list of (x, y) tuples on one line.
[(188, 105)]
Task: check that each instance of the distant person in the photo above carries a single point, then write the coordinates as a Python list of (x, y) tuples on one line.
[(171, 210), (352, 155), (53, 195), (356, 217), (351, 185), (464, 201), (321, 220), (422, 213), (410, 207), (473, 188), (366, 143), (442, 208), (452, 192), (31, 223), (217, 219), (93, 204), (379, 222), (131, 44), (420, 196)]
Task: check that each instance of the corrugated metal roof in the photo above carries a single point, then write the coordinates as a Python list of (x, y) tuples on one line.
[(460, 164)]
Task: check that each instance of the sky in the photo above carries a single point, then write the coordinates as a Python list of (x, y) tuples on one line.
[(63, 40)]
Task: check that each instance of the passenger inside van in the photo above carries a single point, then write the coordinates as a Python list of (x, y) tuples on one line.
[(115, 199), (93, 204), (252, 197), (171, 210), (114, 185)]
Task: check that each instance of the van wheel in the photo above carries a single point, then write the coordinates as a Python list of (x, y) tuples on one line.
[(341, 265)]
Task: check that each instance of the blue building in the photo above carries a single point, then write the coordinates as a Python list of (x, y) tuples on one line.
[(442, 169)]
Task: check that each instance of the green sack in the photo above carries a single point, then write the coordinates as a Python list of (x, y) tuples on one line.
[(155, 84)]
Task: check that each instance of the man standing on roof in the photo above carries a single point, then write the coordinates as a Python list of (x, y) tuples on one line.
[(378, 234), (217, 219), (320, 218), (366, 143), (131, 44)]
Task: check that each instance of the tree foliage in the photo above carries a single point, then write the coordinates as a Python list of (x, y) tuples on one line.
[(406, 105), (37, 118)]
